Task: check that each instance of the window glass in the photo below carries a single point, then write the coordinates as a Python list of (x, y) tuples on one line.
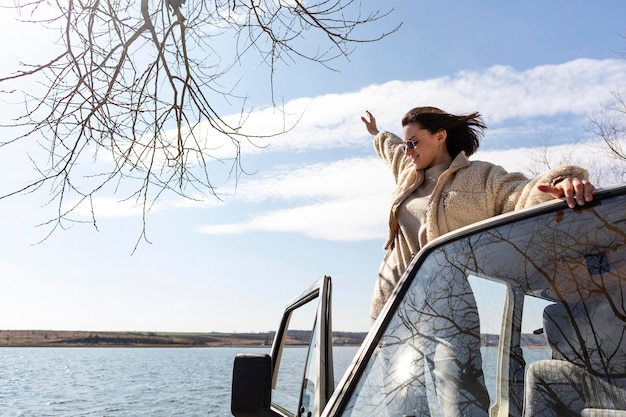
[(490, 301), (308, 405), (295, 359), (505, 318)]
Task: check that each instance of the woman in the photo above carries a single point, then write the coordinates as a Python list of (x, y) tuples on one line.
[(439, 190)]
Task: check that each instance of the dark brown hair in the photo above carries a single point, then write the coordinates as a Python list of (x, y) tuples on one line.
[(463, 131)]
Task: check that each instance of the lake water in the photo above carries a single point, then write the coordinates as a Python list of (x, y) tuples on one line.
[(128, 382), (123, 382)]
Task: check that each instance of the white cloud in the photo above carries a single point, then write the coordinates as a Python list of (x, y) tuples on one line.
[(509, 99), (345, 178), (355, 194), (346, 200), (500, 93), (575, 87), (338, 219)]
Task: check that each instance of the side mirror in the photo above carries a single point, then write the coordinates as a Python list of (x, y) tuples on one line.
[(252, 386)]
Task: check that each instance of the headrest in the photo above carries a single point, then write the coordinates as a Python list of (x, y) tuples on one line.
[(591, 334)]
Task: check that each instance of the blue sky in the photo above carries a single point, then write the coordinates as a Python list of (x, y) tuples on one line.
[(317, 203)]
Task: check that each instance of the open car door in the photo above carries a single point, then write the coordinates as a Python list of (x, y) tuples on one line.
[(263, 384)]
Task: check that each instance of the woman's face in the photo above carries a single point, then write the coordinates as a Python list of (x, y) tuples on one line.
[(429, 148)]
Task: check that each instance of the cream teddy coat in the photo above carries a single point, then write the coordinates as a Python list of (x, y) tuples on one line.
[(465, 193)]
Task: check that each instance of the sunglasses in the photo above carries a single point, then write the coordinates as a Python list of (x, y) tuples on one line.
[(411, 144)]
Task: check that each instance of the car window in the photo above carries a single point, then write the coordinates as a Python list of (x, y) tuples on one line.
[(294, 359), (496, 321)]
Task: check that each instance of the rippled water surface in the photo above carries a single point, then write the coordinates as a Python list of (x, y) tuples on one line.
[(116, 382)]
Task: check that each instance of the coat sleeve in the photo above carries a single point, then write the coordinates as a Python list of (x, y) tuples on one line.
[(482, 190), (388, 147), (513, 191)]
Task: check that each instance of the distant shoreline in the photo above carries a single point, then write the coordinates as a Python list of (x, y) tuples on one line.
[(64, 338)]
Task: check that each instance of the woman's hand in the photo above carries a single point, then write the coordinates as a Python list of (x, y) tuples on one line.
[(370, 123), (575, 191)]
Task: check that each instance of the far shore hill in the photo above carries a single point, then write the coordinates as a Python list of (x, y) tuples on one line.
[(64, 338)]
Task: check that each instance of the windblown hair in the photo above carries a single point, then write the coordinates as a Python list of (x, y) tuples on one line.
[(463, 131)]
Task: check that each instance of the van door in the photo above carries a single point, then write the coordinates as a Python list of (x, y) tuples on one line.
[(299, 369)]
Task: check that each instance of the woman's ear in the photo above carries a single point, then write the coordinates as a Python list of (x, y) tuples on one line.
[(441, 135)]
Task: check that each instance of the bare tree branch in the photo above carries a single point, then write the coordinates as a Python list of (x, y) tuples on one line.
[(609, 124), (133, 87)]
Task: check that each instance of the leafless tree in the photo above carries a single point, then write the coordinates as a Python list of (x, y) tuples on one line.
[(541, 158), (609, 124), (605, 156), (133, 81)]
